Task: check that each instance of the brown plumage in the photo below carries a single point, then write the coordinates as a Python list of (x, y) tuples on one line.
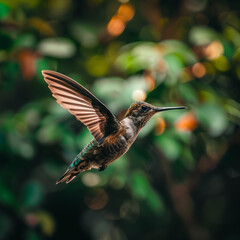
[(82, 104), (112, 138)]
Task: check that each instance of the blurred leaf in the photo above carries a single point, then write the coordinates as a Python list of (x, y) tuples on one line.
[(140, 184), (86, 34), (26, 150), (97, 66), (213, 118), (143, 190), (26, 40), (228, 49), (57, 47), (202, 35), (32, 194), (49, 133), (169, 146), (233, 108), (180, 50), (4, 10), (233, 35), (126, 62), (187, 158), (46, 221), (20, 146), (108, 88), (175, 66), (188, 93), (117, 93), (221, 63), (146, 56), (41, 26), (140, 56), (208, 96)]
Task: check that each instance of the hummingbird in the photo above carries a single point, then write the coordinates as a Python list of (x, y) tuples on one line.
[(112, 138)]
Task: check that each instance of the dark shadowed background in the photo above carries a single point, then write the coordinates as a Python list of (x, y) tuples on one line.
[(181, 178)]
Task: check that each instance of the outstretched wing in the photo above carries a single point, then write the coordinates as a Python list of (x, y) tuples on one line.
[(82, 104)]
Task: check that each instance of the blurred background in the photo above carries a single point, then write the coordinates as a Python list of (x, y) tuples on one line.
[(181, 178)]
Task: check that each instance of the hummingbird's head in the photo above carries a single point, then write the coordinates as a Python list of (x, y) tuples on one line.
[(141, 112)]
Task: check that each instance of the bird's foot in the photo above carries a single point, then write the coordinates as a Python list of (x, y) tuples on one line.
[(103, 167)]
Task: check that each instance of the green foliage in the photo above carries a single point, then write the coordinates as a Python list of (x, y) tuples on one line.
[(4, 10), (180, 179)]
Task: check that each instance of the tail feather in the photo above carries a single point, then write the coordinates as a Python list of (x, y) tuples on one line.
[(67, 177), (71, 173)]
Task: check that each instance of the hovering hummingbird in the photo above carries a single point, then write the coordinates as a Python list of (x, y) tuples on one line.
[(112, 138)]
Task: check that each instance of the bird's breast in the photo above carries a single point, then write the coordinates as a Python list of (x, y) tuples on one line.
[(131, 130), (116, 145)]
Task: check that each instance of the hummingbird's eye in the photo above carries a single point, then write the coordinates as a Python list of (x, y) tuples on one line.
[(144, 108)]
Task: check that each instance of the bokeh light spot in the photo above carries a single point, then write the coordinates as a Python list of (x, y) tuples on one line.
[(115, 26), (96, 199), (160, 127), (126, 12), (198, 70), (187, 122), (57, 47), (214, 50), (139, 95), (90, 179), (26, 60), (149, 79)]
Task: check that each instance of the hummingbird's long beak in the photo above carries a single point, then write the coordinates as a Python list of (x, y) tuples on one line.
[(161, 109)]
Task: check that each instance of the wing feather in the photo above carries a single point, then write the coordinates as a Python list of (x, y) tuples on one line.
[(83, 104)]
